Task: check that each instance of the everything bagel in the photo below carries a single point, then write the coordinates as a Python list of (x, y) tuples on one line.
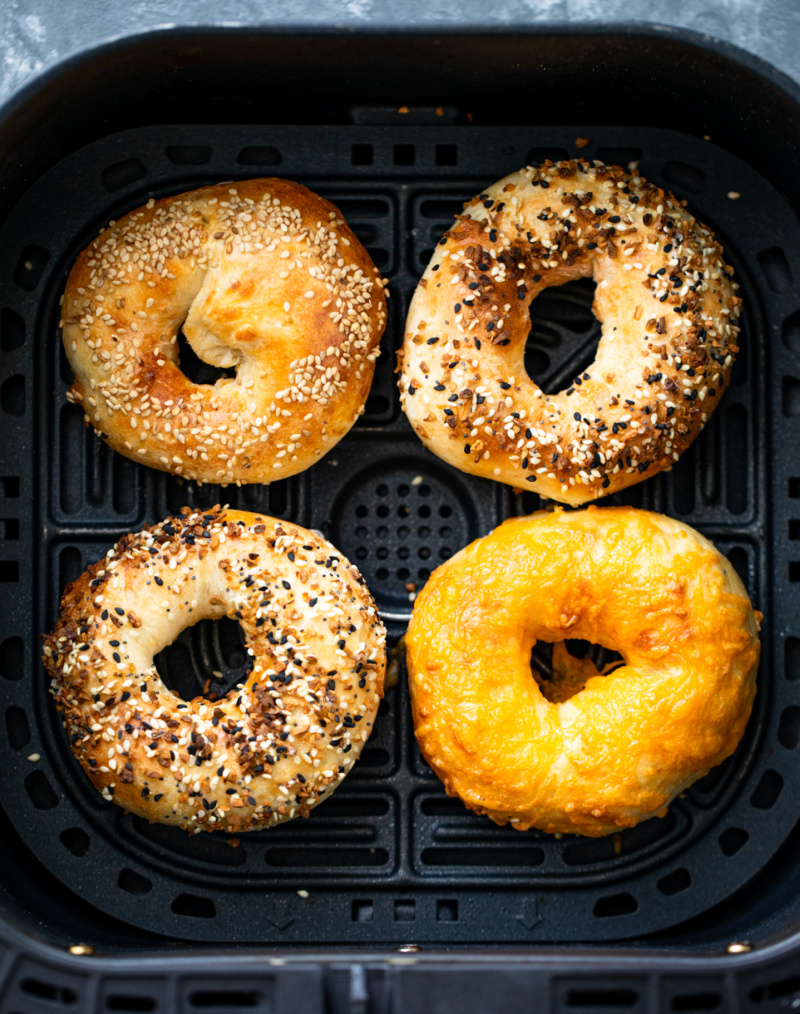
[(590, 753), (668, 310), (281, 741), (264, 277)]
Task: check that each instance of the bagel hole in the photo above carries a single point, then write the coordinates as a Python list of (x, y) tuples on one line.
[(206, 660), (193, 367), (564, 333), (559, 684)]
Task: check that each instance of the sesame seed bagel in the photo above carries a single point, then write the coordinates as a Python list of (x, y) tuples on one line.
[(668, 311), (281, 741), (584, 752), (264, 277)]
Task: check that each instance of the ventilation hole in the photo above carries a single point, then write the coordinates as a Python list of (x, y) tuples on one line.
[(119, 175), (19, 733), (9, 529), (70, 566), (404, 154), (791, 659), (361, 154), (444, 806), (733, 839), (794, 530), (675, 882), (791, 397), (405, 911), (75, 841), (194, 906), (447, 911), (602, 997), (741, 563), (362, 911), (9, 486), (439, 209), (446, 154), (736, 493), (784, 987), (355, 806), (619, 156), (379, 256), (377, 404), (789, 728), (263, 155), (130, 1003), (30, 267), (790, 333), (366, 231), (49, 991), (687, 177), (73, 447), (188, 154), (225, 998), (310, 857), (695, 1001), (40, 791), (794, 571), (12, 395), (12, 331), (9, 571), (515, 857), (124, 484), (776, 270), (12, 658), (537, 155), (794, 488), (767, 791), (616, 904), (374, 757), (134, 883), (195, 369)]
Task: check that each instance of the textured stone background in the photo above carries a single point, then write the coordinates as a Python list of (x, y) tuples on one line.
[(35, 34)]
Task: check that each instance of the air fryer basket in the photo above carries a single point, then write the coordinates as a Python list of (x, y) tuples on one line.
[(390, 861)]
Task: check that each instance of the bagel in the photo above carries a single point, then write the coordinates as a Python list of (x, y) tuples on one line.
[(276, 745), (589, 753), (264, 277), (668, 310)]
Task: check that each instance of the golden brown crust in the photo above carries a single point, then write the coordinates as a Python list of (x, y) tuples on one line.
[(594, 753), (666, 302), (275, 746), (263, 276)]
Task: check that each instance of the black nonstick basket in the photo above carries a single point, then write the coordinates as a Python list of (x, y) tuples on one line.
[(392, 897)]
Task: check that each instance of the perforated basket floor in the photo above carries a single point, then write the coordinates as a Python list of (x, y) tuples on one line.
[(390, 858)]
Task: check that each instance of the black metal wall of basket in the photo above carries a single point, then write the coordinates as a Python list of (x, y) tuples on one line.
[(352, 909)]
